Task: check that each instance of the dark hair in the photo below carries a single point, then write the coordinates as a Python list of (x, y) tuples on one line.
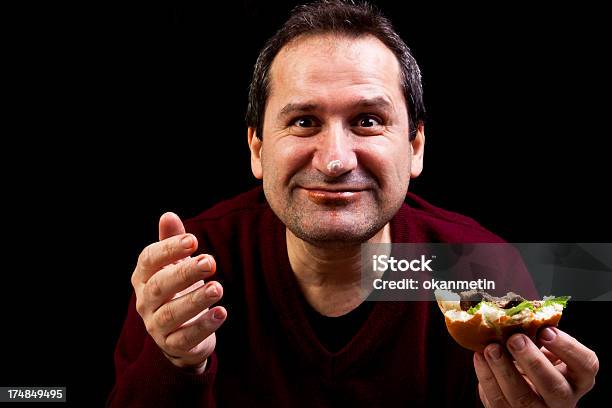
[(336, 17)]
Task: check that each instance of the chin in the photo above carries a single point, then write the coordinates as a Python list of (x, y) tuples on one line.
[(336, 236), (339, 226)]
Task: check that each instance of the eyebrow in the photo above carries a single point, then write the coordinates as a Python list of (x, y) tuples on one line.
[(294, 108)]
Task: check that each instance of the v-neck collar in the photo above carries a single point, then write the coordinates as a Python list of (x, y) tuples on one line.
[(287, 298)]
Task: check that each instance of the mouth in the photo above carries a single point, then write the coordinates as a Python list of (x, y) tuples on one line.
[(333, 196)]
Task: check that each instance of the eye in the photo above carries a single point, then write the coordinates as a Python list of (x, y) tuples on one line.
[(304, 122), (368, 121)]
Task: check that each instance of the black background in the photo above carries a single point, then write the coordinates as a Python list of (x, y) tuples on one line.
[(118, 113)]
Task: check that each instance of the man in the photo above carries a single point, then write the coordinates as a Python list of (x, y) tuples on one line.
[(335, 128)]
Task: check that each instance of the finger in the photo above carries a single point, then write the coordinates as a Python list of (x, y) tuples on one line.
[(170, 225), (519, 368), (166, 283), (558, 364), (189, 336), (582, 362), (488, 384), (510, 381), (527, 380), (483, 397), (195, 355), (196, 358), (549, 382), (552, 357), (159, 254), (178, 311)]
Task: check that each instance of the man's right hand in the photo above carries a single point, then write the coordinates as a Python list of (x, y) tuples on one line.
[(172, 298)]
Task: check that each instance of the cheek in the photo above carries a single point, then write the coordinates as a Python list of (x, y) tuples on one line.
[(283, 158), (389, 163)]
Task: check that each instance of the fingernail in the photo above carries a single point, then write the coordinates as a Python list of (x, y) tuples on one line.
[(517, 342), (494, 352), (477, 357), (212, 291), (548, 334), (204, 264), (187, 242), (218, 314)]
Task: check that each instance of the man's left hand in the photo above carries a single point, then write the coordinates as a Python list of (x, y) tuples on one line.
[(556, 375)]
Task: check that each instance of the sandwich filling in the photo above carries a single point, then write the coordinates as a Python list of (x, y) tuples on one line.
[(509, 308)]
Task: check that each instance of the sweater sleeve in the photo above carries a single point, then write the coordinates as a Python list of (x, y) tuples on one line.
[(144, 377)]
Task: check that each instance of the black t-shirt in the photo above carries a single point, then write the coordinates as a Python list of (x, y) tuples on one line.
[(335, 332)]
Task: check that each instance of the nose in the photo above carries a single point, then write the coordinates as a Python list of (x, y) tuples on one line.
[(335, 153)]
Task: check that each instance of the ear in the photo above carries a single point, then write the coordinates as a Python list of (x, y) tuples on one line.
[(255, 145), (418, 149)]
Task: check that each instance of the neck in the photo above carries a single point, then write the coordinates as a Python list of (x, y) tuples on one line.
[(330, 277)]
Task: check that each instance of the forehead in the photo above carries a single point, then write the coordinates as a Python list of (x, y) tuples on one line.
[(333, 68)]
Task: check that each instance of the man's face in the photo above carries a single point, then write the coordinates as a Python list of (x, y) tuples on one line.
[(336, 158)]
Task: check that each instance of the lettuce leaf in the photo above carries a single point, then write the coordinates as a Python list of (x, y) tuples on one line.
[(472, 310), (519, 308), (561, 300)]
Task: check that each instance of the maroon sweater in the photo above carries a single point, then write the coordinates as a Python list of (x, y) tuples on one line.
[(267, 352)]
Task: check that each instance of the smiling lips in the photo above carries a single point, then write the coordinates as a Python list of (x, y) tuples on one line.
[(332, 197)]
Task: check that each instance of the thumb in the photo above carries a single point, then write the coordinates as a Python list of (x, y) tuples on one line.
[(169, 225)]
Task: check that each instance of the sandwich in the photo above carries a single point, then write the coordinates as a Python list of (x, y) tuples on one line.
[(475, 318)]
